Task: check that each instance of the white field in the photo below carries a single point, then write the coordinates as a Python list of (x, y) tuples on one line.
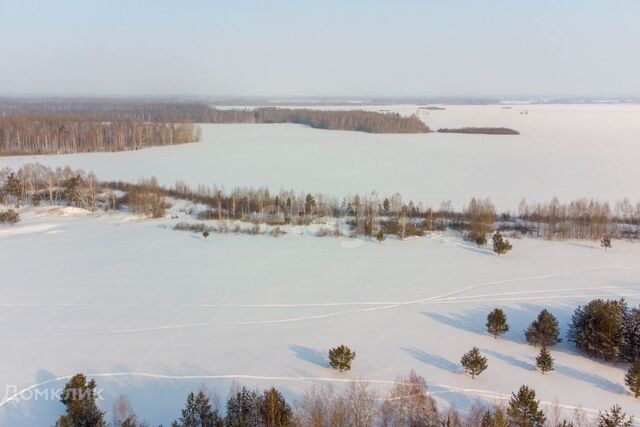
[(154, 313), (567, 151)]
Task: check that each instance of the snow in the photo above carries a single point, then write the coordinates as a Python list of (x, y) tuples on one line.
[(568, 151), (155, 313)]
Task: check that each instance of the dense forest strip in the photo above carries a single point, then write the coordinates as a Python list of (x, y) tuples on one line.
[(190, 112), (481, 130), (67, 134)]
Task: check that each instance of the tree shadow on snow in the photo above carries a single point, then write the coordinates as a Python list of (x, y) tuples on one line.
[(472, 247), (433, 360), (510, 360), (310, 355), (590, 378)]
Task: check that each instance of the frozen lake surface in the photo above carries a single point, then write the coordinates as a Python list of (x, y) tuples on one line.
[(568, 151)]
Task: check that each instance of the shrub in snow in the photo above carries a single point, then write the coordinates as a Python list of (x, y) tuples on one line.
[(9, 216), (605, 242), (473, 362), (340, 358)]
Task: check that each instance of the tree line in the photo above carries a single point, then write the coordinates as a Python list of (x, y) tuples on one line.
[(407, 404), (367, 215), (192, 112)]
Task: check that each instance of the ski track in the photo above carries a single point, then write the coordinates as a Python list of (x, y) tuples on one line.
[(439, 299), (446, 388)]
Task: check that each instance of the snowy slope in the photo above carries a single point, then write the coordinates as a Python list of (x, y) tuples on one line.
[(154, 313)]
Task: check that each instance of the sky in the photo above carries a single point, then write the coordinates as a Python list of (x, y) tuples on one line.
[(323, 48)]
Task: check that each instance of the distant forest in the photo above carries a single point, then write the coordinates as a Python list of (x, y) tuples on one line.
[(67, 134), (191, 112)]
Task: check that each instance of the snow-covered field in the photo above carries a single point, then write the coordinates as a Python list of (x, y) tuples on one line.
[(567, 151), (155, 313)]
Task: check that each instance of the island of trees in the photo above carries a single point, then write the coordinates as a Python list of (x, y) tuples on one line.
[(481, 130)]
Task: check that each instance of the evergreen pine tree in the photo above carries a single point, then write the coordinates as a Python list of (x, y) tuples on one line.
[(632, 378), (12, 187), (199, 413), (340, 358), (500, 245), (544, 361), (386, 206), (79, 396), (274, 409), (205, 234), (605, 242), (598, 328), (632, 335), (614, 418), (523, 410), (380, 236), (497, 323), (243, 409), (543, 331), (309, 204), (473, 362)]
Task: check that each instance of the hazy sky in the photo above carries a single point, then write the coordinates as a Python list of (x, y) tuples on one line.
[(323, 47)]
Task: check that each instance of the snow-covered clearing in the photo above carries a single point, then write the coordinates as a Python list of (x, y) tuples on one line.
[(568, 151), (155, 313)]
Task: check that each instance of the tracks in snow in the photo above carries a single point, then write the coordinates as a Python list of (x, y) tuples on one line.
[(440, 388), (445, 298)]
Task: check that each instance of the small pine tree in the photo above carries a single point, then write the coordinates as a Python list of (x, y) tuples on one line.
[(473, 362), (632, 378), (544, 361), (199, 412), (497, 323), (205, 234), (12, 187), (340, 358), (79, 396), (309, 204), (500, 245), (274, 409), (243, 409), (606, 242), (380, 236), (480, 239), (386, 206), (543, 331), (614, 418), (523, 410)]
